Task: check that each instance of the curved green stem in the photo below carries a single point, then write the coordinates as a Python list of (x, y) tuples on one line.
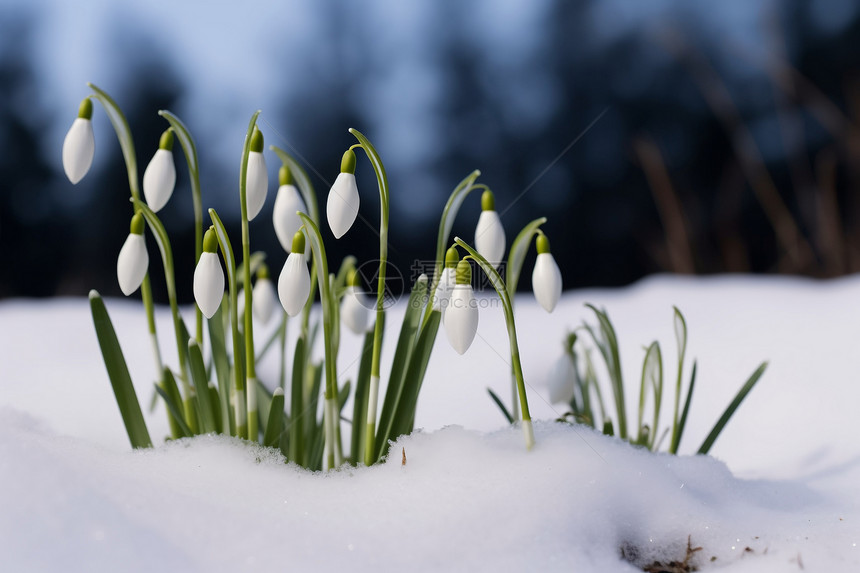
[(331, 414), (306, 188), (170, 279), (446, 223), (382, 182), (502, 291), (250, 367), (190, 151), (516, 258), (126, 143), (230, 264)]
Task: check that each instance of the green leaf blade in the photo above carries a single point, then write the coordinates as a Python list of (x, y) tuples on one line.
[(120, 379)]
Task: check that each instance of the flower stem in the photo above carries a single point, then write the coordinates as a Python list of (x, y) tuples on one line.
[(382, 182), (502, 291), (190, 150), (126, 143), (170, 279), (230, 264), (332, 455), (250, 368)]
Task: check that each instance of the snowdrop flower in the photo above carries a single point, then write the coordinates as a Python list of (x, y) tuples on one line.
[(562, 380), (489, 234), (208, 276), (342, 205), (447, 280), (461, 316), (546, 278), (294, 284), (355, 307), (287, 205), (160, 175), (79, 145), (133, 260), (264, 296), (257, 178)]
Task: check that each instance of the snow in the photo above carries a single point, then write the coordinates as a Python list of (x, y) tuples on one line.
[(779, 493)]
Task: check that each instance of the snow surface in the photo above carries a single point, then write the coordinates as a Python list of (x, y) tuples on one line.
[(780, 493)]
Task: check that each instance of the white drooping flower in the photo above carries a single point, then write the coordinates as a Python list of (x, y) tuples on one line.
[(355, 306), (294, 284), (133, 260), (343, 201), (208, 277), (257, 178), (562, 380), (265, 299), (159, 179), (461, 316), (546, 277), (447, 281), (489, 233), (288, 203), (80, 144)]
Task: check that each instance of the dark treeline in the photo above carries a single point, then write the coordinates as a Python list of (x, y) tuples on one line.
[(702, 159)]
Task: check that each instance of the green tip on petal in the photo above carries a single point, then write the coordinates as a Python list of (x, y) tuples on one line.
[(464, 273), (210, 241), (85, 111), (263, 271), (137, 224), (257, 141), (298, 243), (353, 279), (285, 176), (542, 244), (347, 164), (488, 201), (166, 141), (452, 257)]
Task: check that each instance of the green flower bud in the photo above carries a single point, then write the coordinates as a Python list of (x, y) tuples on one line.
[(347, 163), (166, 141), (85, 110), (464, 273), (452, 257), (137, 223), (542, 244), (210, 241), (263, 271), (298, 243), (488, 201), (285, 176), (257, 141)]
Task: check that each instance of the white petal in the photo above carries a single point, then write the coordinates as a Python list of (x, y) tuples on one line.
[(443, 290), (561, 381), (256, 183), (265, 300), (208, 284), (294, 284), (490, 237), (159, 179), (240, 304), (285, 219), (355, 310), (78, 149), (132, 263), (461, 318), (342, 205), (546, 281)]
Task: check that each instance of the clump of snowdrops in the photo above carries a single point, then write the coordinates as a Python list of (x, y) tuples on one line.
[(224, 394), (574, 382)]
